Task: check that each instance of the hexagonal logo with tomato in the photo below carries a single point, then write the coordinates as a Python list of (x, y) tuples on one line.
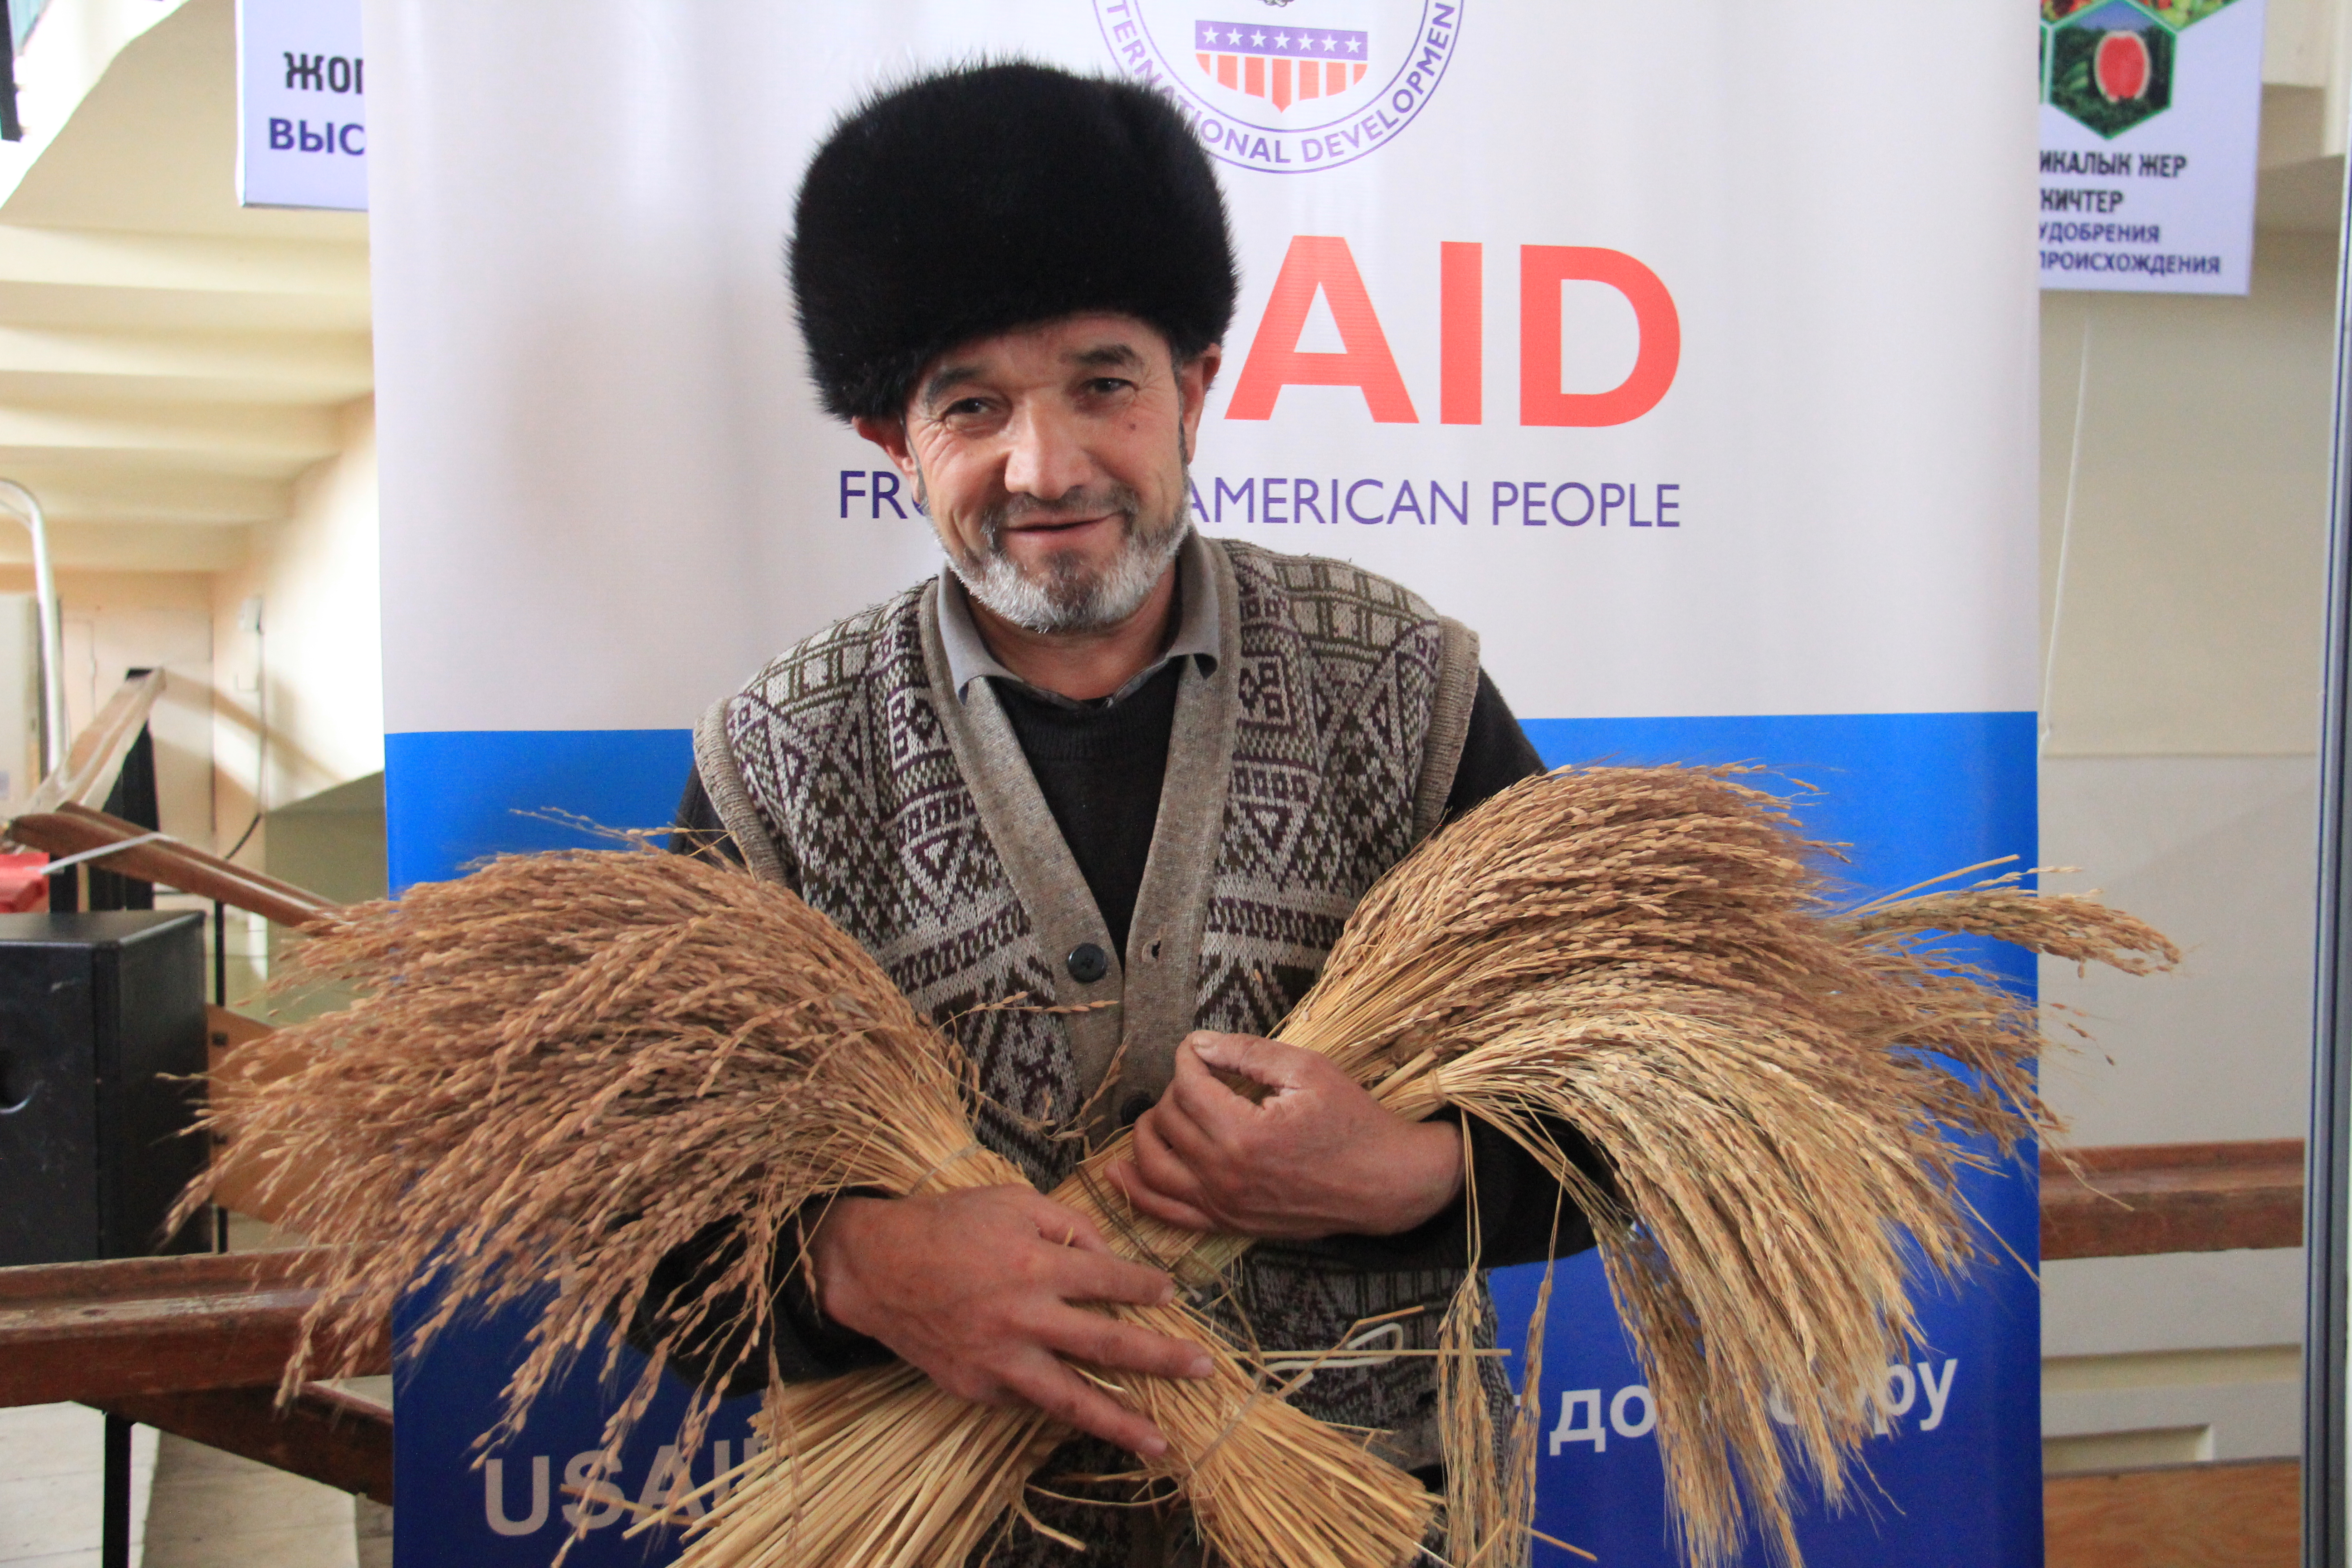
[(2178, 14), (2111, 64)]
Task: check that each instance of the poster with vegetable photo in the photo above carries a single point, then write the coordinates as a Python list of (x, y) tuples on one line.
[(2150, 119)]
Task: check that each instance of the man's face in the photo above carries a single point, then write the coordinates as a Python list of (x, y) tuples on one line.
[(1053, 462)]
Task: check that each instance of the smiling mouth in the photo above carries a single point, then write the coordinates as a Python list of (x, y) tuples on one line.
[(1070, 526)]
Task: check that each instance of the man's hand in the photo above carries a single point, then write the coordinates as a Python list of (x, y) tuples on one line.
[(1317, 1156), (977, 1288)]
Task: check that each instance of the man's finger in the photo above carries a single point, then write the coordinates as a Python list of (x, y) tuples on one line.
[(1158, 1205), (1125, 1347), (1045, 1381), (1304, 1085), (1160, 1161), (1169, 1154), (1269, 1062), (1066, 1226), (1100, 1277), (1215, 1112)]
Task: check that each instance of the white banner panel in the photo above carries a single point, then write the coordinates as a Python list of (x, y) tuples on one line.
[(617, 415), (2152, 122), (301, 105)]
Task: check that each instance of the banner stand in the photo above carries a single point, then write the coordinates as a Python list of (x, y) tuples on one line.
[(1721, 433), (2328, 1181)]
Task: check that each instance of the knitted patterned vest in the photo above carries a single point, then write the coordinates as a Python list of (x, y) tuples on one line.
[(1316, 754)]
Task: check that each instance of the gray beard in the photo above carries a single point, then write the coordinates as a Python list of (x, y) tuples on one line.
[(1065, 596)]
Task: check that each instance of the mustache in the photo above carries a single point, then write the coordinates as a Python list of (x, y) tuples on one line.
[(1029, 510)]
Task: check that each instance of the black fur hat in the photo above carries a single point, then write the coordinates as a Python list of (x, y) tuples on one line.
[(990, 197)]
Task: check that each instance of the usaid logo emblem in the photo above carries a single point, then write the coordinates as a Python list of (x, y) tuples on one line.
[(1287, 86)]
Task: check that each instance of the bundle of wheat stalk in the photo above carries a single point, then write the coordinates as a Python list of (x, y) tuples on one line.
[(1646, 957), (570, 1065), (567, 1066)]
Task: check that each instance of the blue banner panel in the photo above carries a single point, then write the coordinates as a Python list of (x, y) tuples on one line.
[(453, 796), (516, 1508), (1956, 1475), (1954, 1479)]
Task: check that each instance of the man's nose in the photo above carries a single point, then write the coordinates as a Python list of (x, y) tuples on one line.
[(1046, 459)]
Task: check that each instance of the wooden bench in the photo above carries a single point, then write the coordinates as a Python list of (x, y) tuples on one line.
[(193, 1346)]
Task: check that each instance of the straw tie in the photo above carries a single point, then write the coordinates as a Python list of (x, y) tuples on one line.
[(937, 1166), (1232, 1425)]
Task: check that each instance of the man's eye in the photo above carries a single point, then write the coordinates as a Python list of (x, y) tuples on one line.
[(966, 408), (1107, 385)]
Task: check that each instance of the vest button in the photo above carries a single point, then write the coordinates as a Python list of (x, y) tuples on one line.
[(1131, 1109), (1087, 964)]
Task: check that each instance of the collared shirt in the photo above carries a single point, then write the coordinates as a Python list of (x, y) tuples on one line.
[(1198, 626)]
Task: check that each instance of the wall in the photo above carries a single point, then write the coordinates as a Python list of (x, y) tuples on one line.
[(113, 622), (2185, 450), (300, 709)]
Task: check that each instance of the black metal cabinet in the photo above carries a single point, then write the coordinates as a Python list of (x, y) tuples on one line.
[(101, 1058)]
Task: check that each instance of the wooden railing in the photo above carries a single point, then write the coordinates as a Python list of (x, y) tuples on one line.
[(2131, 1200)]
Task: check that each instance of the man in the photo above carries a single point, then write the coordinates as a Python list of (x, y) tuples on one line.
[(1107, 763)]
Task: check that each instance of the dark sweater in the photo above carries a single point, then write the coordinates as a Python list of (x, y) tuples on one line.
[(1099, 767)]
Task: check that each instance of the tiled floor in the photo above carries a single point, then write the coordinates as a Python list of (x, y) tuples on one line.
[(213, 1509), (52, 1485), (191, 1506)]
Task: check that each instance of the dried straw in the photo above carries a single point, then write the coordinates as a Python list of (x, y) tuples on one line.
[(1645, 955), (1650, 957), (562, 1068), (567, 1066)]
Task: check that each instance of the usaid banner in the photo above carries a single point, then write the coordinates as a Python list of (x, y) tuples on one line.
[(1685, 352)]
